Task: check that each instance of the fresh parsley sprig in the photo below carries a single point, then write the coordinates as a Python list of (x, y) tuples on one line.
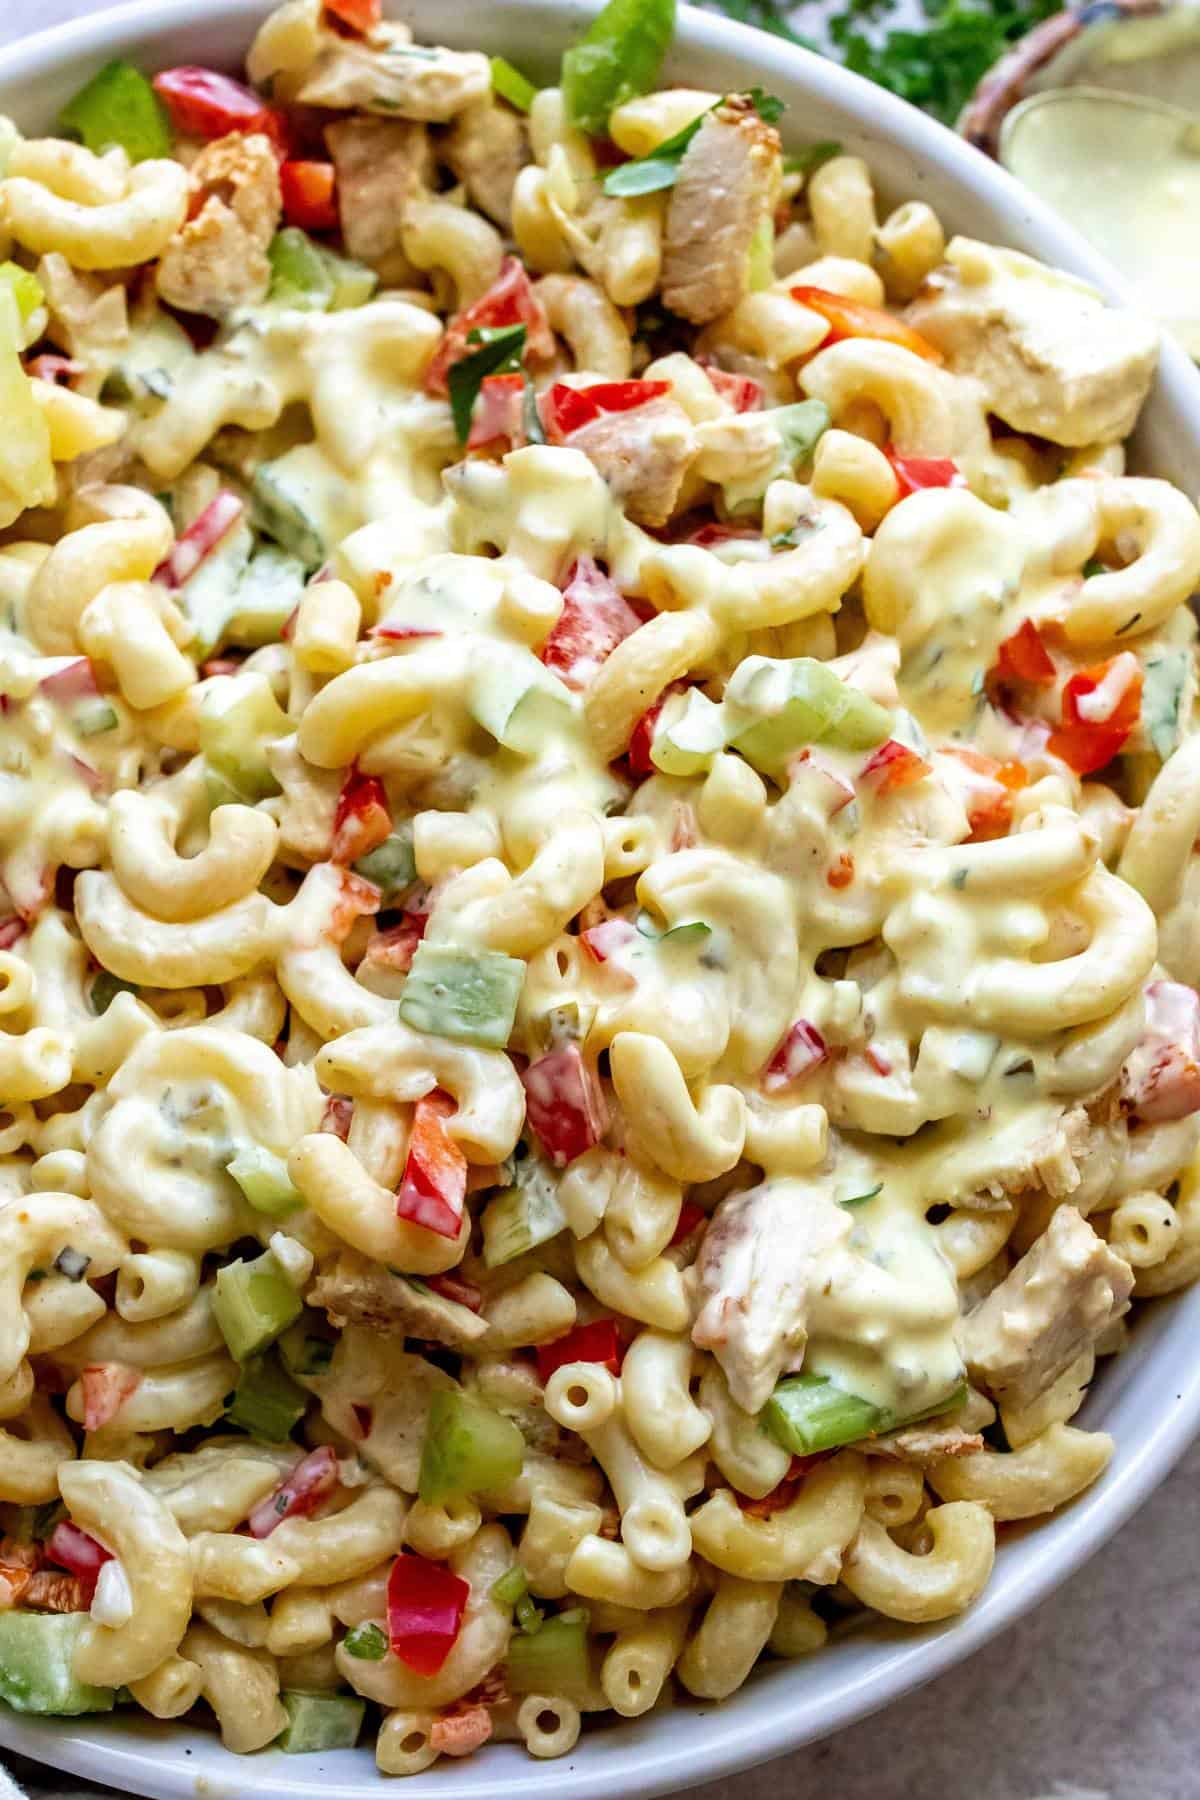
[(501, 348)]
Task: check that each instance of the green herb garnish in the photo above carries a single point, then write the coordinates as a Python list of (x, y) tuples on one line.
[(499, 352)]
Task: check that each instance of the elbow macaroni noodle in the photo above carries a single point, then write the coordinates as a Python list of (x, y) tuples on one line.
[(660, 917)]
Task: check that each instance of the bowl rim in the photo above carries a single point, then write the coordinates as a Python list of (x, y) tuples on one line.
[(733, 1737)]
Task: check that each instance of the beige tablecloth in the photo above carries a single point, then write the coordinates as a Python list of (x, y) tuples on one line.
[(1093, 1698)]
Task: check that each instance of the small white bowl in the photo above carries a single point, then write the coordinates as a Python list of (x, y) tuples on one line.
[(1149, 1398)]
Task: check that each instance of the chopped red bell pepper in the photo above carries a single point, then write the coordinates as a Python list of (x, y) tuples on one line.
[(312, 1480), (600, 941), (1100, 708), (1160, 1080), (564, 1104), (566, 409), (200, 539), (852, 319), (106, 1388), (803, 1049), (60, 371), (498, 413), (362, 820), (643, 733), (595, 618), (710, 536), (989, 800), (77, 1550), (1023, 657), (204, 104), (337, 1116), (357, 899), (509, 301), (691, 1218), (893, 766), (360, 15), (743, 392), (915, 473), (463, 1293), (309, 192), (598, 1342), (74, 681), (11, 929), (433, 1189), (396, 947), (425, 1606)]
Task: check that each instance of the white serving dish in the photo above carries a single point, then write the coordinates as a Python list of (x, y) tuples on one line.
[(1148, 1398)]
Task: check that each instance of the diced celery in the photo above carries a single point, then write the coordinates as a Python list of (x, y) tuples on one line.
[(158, 350), (320, 1722), (306, 275), (367, 1642), (761, 254), (511, 85), (268, 593), (517, 700), (511, 1587), (522, 1216), (252, 1303), (37, 1658), (300, 276), (239, 716), (527, 1616), (552, 1661), (26, 471), (263, 1178), (618, 56), (800, 426), (773, 708), (299, 502), (470, 995), (267, 1403), (391, 865), (118, 106), (306, 1347), (690, 732), (27, 290), (468, 1448), (807, 1413), (92, 717), (104, 990), (1165, 683)]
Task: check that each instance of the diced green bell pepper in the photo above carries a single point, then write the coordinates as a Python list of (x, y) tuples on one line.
[(37, 1665), (252, 1303), (118, 106), (367, 1642), (517, 700), (470, 995), (468, 1449), (618, 56), (263, 1179), (267, 1403), (320, 1722), (391, 865)]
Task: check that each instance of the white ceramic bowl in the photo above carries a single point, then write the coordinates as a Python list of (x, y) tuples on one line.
[(1148, 1398)]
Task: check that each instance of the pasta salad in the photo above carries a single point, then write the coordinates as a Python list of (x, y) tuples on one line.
[(598, 781)]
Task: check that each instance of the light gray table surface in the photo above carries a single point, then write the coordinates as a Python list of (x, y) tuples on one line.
[(1093, 1697)]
